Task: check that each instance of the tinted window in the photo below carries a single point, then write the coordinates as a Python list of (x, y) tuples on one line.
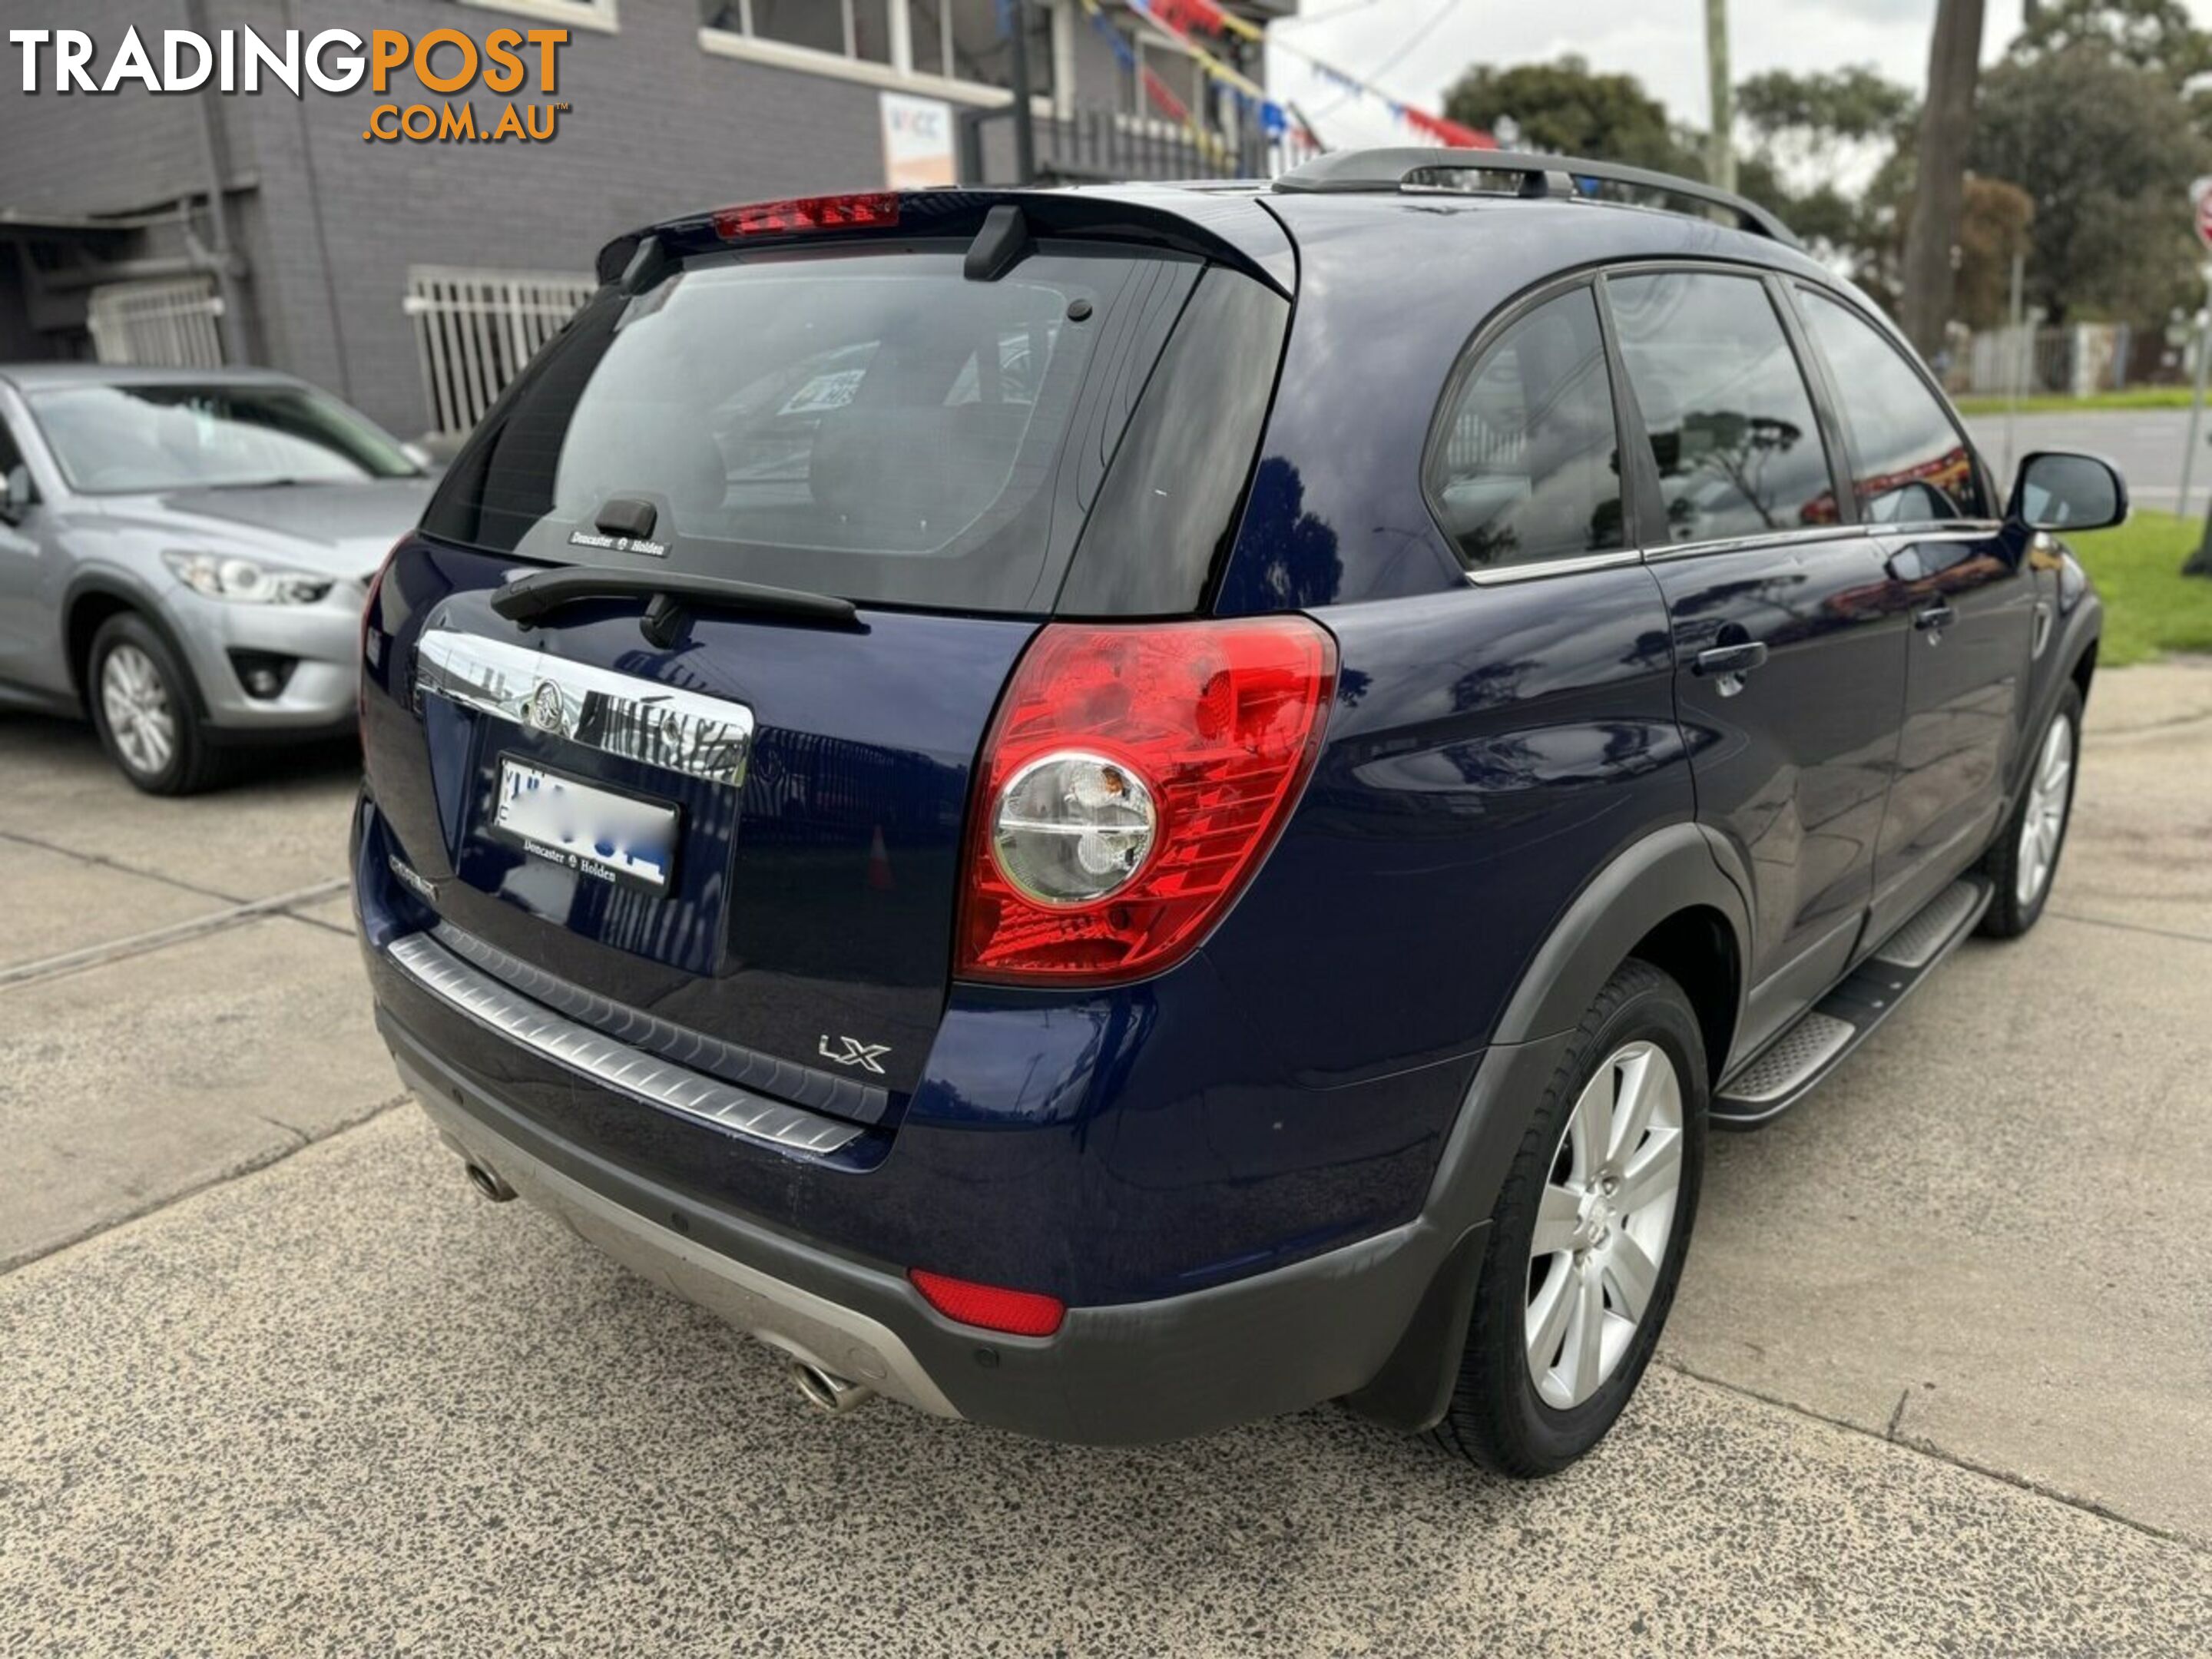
[(1731, 424), (111, 439), (1527, 467), (1161, 525), (873, 425), (10, 457), (1912, 465)]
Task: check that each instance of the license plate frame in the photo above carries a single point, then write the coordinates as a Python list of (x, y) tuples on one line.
[(528, 818)]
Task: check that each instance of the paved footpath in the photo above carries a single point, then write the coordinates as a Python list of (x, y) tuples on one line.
[(272, 1381)]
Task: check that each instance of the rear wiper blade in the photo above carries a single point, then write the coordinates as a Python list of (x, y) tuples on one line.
[(532, 598)]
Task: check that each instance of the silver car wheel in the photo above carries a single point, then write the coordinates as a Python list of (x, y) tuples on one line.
[(2043, 824), (140, 716), (1604, 1223)]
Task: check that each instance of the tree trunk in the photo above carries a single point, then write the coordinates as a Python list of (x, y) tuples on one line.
[(2199, 563), (1947, 131)]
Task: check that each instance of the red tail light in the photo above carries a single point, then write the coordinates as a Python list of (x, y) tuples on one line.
[(880, 208), (1132, 780), (1018, 1313)]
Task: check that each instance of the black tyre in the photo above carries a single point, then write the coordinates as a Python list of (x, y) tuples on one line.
[(141, 704), (1589, 1236), (2023, 861)]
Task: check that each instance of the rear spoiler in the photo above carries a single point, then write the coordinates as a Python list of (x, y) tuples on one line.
[(1229, 228)]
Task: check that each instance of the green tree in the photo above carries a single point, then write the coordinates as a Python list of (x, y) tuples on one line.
[(1566, 108), (1815, 115), (2159, 35), (1805, 131), (2106, 149)]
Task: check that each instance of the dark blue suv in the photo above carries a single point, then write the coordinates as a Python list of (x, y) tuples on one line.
[(1114, 811)]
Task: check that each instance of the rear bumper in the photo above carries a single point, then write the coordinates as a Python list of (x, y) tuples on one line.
[(1159, 1369)]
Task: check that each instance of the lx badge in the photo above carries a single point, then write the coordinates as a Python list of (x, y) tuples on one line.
[(863, 1054)]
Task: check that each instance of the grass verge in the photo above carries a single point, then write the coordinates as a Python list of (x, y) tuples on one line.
[(2142, 397), (2150, 607)]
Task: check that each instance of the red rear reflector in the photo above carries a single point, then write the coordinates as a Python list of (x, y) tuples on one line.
[(1018, 1313), (807, 213), (1219, 722)]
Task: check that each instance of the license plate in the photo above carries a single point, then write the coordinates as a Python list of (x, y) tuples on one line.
[(599, 834)]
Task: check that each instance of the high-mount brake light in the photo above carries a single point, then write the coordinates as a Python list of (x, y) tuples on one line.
[(874, 210), (1132, 780)]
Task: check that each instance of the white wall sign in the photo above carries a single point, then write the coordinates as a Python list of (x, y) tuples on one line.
[(917, 141)]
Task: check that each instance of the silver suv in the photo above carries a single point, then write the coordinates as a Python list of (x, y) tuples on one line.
[(184, 554)]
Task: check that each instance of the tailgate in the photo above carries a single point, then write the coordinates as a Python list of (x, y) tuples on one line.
[(756, 840)]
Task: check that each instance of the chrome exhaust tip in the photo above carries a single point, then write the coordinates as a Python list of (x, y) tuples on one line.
[(835, 1395), (487, 1182)]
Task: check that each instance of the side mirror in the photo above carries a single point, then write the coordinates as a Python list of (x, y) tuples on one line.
[(17, 497), (2058, 491)]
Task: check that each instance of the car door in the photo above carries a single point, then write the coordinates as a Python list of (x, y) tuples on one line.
[(1921, 490), (1790, 636)]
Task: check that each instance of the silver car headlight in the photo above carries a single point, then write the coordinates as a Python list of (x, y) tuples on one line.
[(245, 581)]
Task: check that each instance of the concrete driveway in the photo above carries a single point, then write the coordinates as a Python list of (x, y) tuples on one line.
[(1940, 1380)]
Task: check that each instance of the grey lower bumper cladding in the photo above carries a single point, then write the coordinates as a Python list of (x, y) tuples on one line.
[(809, 1328), (1277, 1341)]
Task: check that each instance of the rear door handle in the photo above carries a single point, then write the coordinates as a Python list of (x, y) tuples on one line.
[(1729, 658), (1939, 615)]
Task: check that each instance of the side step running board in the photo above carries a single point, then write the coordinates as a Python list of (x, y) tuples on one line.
[(1784, 1072)]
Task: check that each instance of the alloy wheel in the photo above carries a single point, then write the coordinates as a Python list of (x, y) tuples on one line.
[(2045, 821), (1604, 1223), (140, 716)]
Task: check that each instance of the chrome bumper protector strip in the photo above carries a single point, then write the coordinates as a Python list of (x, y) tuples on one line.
[(656, 1081)]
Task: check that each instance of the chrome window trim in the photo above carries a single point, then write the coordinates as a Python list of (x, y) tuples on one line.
[(612, 1065), (1940, 529), (1667, 551), (1566, 565), (619, 714)]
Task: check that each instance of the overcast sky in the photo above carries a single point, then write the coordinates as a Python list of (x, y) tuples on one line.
[(1414, 49)]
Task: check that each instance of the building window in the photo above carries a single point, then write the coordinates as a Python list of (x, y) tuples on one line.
[(583, 13), (952, 39)]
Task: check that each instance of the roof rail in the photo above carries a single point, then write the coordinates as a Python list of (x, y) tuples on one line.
[(1350, 170)]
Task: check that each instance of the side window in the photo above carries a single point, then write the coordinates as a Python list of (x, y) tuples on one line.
[(10, 457), (1912, 464), (1731, 423), (1528, 466)]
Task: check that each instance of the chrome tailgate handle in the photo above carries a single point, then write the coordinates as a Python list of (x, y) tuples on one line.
[(678, 731)]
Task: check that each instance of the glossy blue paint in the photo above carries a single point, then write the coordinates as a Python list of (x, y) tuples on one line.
[(1490, 751), (819, 907)]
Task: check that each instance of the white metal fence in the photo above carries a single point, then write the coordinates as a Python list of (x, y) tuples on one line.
[(475, 329), (170, 324), (2072, 361)]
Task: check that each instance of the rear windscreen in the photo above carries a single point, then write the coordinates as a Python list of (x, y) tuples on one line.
[(870, 425)]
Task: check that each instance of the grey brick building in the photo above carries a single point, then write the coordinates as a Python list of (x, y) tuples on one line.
[(410, 277)]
